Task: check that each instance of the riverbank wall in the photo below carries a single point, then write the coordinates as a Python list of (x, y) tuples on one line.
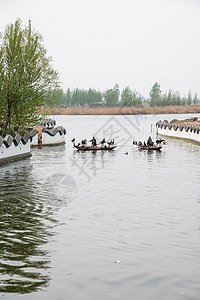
[(18, 147), (12, 149), (48, 137), (181, 130)]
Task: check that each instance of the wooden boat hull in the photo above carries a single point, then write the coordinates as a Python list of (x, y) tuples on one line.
[(149, 147), (93, 148)]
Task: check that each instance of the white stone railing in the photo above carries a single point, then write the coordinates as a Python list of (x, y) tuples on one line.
[(19, 147), (182, 130), (14, 148), (53, 136)]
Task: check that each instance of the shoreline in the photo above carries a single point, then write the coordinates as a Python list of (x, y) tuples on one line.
[(124, 110)]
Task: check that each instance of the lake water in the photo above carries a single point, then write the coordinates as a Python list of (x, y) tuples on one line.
[(105, 225)]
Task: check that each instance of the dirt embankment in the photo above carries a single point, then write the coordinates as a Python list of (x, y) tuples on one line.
[(124, 110)]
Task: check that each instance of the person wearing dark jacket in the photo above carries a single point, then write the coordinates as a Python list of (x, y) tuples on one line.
[(94, 141), (149, 142)]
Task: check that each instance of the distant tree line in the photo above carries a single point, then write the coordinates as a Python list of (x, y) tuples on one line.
[(91, 97), (170, 97), (113, 97)]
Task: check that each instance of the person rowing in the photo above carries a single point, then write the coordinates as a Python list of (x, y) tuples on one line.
[(94, 141)]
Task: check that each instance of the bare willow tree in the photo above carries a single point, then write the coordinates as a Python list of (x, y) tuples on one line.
[(26, 76)]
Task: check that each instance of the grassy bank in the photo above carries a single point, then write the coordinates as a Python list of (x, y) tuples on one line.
[(124, 110)]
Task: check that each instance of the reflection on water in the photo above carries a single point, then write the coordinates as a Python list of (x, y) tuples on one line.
[(140, 209), (24, 229), (89, 163)]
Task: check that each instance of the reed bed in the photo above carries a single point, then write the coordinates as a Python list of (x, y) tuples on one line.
[(124, 110)]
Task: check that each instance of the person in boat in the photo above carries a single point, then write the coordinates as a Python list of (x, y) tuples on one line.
[(94, 141), (149, 142), (145, 144), (139, 143)]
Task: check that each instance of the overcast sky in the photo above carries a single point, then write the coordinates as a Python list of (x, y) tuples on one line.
[(97, 43)]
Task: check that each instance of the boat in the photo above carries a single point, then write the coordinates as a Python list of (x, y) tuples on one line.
[(94, 148), (157, 147)]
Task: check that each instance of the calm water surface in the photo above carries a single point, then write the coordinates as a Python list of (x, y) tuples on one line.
[(102, 225)]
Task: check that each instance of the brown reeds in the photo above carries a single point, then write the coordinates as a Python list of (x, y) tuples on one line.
[(124, 110)]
